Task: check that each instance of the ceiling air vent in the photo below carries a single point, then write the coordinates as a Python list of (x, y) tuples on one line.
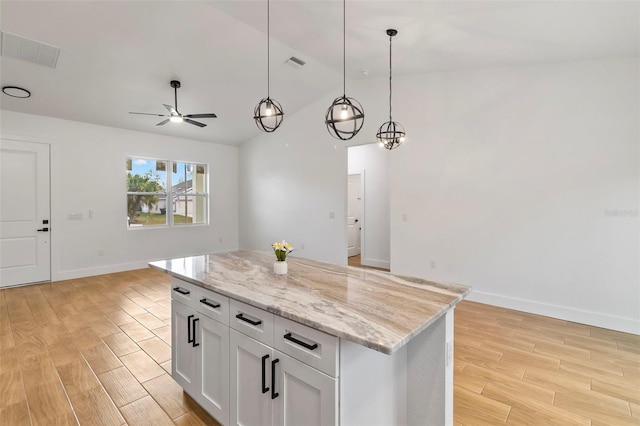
[(15, 46), (295, 62)]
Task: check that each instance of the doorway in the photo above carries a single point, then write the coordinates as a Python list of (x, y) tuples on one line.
[(355, 216), (25, 241)]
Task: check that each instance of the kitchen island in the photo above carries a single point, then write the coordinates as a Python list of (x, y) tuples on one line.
[(324, 344)]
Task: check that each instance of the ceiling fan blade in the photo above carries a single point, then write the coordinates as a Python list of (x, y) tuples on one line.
[(148, 113), (163, 122), (197, 123), (171, 109), (210, 115)]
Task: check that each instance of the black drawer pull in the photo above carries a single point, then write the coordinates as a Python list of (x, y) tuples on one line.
[(300, 342), (250, 321), (210, 304), (274, 394), (181, 291), (189, 338), (194, 332), (265, 389)]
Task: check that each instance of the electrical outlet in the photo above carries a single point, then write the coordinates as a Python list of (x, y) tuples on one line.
[(404, 217), (100, 252), (74, 216), (332, 215)]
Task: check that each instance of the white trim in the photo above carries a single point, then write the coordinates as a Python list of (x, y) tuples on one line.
[(612, 322), (98, 270), (362, 211), (375, 263)]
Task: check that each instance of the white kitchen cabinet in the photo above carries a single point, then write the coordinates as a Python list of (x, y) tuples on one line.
[(250, 384), (200, 356), (271, 388), (306, 396)]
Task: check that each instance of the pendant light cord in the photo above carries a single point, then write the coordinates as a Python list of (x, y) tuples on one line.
[(344, 48), (268, 45), (390, 37)]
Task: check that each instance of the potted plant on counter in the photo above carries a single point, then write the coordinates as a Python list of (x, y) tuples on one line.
[(281, 249)]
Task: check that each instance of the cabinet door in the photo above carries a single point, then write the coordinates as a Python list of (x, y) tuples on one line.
[(183, 354), (250, 404), (307, 396), (213, 362)]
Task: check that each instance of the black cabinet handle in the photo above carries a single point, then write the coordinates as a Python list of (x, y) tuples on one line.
[(189, 338), (250, 321), (265, 389), (181, 291), (43, 230), (194, 332), (300, 342), (210, 304), (274, 394)]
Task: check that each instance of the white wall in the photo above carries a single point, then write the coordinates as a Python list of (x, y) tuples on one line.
[(506, 180), (373, 160), (88, 173), (290, 183)]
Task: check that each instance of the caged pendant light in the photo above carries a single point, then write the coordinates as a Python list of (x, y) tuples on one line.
[(268, 113), (345, 116), (391, 134)]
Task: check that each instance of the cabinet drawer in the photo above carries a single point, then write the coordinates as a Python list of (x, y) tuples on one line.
[(252, 321), (313, 347), (183, 292), (212, 304)]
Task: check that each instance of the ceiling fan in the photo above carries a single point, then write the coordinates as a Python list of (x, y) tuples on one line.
[(175, 116)]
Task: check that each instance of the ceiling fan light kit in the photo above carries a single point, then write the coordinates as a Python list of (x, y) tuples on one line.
[(391, 134), (345, 116), (268, 114), (174, 115)]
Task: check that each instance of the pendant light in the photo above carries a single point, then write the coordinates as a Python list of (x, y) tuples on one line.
[(268, 113), (345, 116), (391, 134)]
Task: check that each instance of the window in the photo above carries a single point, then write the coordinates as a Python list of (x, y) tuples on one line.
[(156, 197)]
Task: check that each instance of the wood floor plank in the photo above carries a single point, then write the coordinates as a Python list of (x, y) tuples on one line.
[(11, 388), (538, 393), (122, 386), (77, 377), (473, 409), (64, 352), (16, 414), (145, 412), (142, 366), (137, 331), (169, 395), (37, 369), (624, 391), (48, 403), (164, 333), (94, 407), (594, 405), (156, 349), (101, 358), (121, 344)]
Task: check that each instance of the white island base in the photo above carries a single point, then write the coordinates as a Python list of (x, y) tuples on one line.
[(413, 386)]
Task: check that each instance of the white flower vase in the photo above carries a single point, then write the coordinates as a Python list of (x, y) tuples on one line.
[(280, 267)]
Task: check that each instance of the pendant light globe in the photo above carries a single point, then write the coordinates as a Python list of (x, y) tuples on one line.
[(391, 134), (345, 117), (268, 114)]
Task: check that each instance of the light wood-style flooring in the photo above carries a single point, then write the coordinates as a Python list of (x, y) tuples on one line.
[(96, 351)]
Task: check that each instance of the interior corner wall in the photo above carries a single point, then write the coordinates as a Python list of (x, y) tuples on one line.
[(293, 186), (523, 183), (374, 161), (88, 173)]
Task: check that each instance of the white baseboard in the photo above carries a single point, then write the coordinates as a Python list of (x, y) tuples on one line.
[(375, 263), (98, 270), (611, 322)]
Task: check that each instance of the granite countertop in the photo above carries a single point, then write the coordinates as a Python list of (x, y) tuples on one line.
[(373, 308)]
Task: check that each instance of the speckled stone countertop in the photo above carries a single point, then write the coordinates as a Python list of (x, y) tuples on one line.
[(373, 308)]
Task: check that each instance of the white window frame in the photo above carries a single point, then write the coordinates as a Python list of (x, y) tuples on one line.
[(171, 196)]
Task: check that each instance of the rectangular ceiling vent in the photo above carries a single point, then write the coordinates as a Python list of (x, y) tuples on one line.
[(295, 62), (15, 46)]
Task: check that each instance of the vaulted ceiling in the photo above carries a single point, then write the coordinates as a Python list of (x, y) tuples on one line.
[(119, 56)]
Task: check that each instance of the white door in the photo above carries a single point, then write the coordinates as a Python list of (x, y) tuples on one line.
[(354, 213), (183, 355), (306, 396), (25, 245), (250, 380), (212, 339)]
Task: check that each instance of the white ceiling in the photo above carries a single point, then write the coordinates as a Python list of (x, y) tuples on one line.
[(119, 56)]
